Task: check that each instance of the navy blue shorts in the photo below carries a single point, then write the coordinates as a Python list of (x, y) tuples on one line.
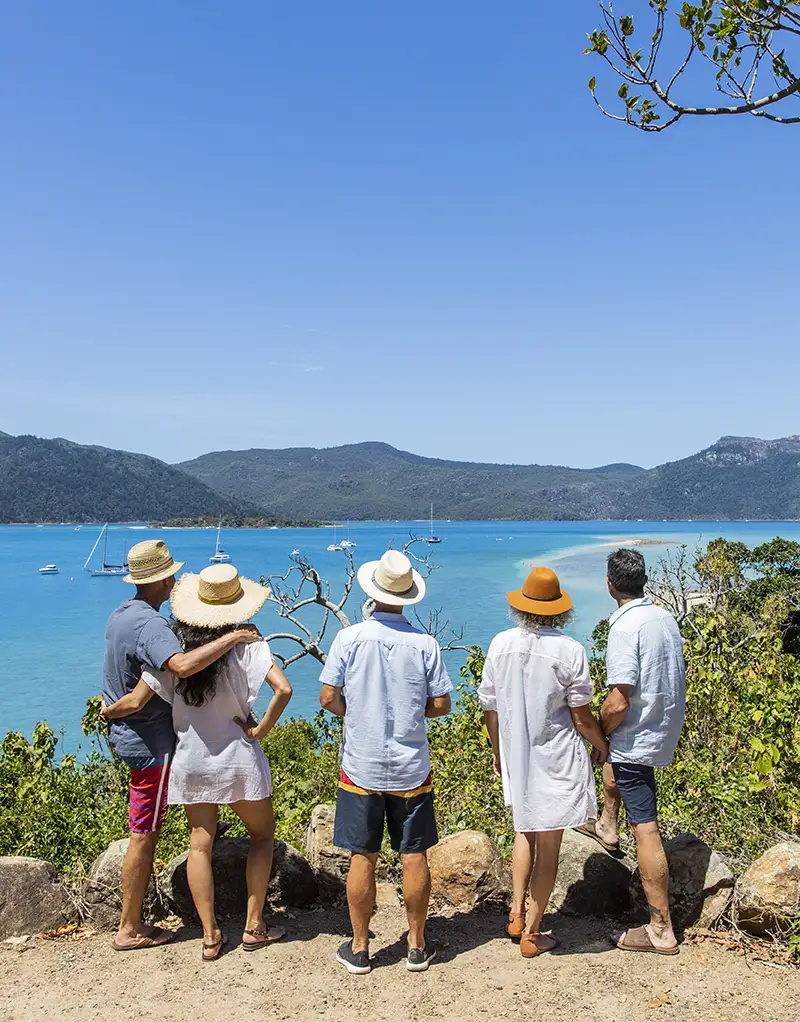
[(637, 788), (360, 816)]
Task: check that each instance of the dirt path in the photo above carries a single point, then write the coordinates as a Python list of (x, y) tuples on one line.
[(477, 976)]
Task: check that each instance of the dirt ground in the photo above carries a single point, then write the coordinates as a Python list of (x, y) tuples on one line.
[(477, 975)]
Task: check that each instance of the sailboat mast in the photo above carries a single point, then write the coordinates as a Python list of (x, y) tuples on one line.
[(431, 519), (105, 546), (96, 542)]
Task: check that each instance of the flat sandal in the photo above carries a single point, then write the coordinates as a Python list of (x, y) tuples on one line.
[(263, 937)]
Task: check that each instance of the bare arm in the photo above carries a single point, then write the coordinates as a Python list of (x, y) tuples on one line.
[(615, 708), (332, 699), (130, 703), (184, 665), (437, 706), (281, 694), (493, 727), (587, 726)]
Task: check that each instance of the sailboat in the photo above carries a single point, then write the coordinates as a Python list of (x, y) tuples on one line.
[(432, 538), (347, 544), (107, 569), (219, 556), (334, 545)]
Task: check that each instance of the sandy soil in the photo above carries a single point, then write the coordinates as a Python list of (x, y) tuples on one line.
[(478, 975)]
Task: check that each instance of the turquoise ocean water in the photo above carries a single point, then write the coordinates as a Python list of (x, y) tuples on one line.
[(51, 627)]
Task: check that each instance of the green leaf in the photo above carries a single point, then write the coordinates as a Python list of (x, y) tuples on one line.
[(592, 85)]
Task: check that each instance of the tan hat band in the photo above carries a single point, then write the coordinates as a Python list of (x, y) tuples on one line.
[(392, 592), (145, 569)]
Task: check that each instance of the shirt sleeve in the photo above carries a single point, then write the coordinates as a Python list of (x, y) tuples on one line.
[(622, 659), (334, 667), (259, 666), (439, 683), (157, 643), (161, 682), (579, 690), (487, 692)]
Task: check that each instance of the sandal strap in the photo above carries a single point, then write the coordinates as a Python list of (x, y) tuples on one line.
[(257, 933)]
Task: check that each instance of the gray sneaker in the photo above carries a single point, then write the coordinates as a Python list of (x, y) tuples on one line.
[(356, 962), (420, 958)]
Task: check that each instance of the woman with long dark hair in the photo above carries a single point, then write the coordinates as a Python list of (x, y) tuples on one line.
[(218, 759)]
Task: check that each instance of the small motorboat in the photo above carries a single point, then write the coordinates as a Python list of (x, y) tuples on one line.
[(335, 546), (295, 553), (49, 569)]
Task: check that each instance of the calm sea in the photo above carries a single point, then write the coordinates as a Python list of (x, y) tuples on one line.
[(51, 627)]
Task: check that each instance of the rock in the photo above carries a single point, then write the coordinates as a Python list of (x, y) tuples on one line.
[(32, 899), (292, 881), (590, 882), (700, 883), (467, 870), (101, 896), (768, 895), (322, 853)]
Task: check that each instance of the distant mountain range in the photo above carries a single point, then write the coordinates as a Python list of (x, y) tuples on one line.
[(56, 480)]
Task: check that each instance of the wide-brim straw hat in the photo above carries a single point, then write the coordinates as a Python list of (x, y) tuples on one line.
[(217, 596), (392, 580), (150, 561), (541, 594)]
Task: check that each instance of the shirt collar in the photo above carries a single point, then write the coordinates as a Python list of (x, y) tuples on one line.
[(643, 601), (389, 619)]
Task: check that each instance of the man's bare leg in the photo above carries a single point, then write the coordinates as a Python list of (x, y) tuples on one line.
[(137, 868), (607, 826), (654, 872), (521, 869), (361, 897), (416, 895)]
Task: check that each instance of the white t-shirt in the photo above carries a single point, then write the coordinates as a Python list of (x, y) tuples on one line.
[(532, 679), (645, 652), (214, 760)]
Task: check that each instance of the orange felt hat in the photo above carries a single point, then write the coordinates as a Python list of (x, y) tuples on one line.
[(541, 594)]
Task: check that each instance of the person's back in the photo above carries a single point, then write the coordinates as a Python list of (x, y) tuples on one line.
[(389, 670), (645, 652)]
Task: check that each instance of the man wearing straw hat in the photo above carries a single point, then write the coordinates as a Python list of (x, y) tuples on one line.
[(138, 637), (385, 677)]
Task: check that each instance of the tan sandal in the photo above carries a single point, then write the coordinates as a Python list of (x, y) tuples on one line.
[(638, 939), (516, 925), (529, 947), (263, 938), (215, 948)]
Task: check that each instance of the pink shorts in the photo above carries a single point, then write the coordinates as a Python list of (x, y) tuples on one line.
[(148, 797)]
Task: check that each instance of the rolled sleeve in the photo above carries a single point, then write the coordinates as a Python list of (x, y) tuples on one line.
[(162, 683), (579, 690), (487, 692), (157, 643), (622, 659), (438, 680), (334, 667)]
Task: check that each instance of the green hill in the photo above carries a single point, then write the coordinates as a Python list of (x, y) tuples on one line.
[(736, 478), (59, 481)]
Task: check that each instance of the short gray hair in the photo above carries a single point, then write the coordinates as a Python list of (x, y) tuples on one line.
[(533, 622)]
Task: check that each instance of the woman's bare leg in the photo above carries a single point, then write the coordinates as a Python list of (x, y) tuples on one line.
[(545, 870), (521, 869), (259, 819), (202, 819)]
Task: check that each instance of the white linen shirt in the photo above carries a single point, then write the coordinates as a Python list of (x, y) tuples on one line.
[(533, 679), (645, 652), (389, 670), (214, 759)]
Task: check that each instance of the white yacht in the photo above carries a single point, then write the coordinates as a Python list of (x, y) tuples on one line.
[(219, 556), (49, 569)]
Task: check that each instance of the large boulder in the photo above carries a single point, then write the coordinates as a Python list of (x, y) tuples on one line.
[(700, 883), (768, 895), (322, 853), (32, 899), (101, 897), (292, 881), (590, 882), (467, 870)]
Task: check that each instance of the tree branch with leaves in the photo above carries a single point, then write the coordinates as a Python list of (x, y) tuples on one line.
[(742, 42)]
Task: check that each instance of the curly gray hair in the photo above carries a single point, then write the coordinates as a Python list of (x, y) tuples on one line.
[(533, 622)]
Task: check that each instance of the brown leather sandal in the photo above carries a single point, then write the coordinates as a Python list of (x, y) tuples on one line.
[(638, 939), (263, 937), (212, 951), (516, 925), (529, 947)]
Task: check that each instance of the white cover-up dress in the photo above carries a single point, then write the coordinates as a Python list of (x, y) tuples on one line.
[(532, 679), (214, 760)]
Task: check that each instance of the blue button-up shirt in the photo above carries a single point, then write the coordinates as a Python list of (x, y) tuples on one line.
[(389, 670)]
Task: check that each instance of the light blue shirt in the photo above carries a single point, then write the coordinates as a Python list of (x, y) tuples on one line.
[(645, 652), (389, 670)]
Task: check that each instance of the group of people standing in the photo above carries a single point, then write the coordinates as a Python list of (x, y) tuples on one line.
[(179, 697)]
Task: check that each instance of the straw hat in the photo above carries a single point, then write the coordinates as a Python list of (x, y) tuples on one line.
[(216, 597), (541, 594), (150, 561), (392, 580)]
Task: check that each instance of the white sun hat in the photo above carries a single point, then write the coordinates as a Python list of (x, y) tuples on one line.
[(392, 580), (216, 597)]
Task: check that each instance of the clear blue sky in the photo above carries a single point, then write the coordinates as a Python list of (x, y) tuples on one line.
[(264, 224)]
